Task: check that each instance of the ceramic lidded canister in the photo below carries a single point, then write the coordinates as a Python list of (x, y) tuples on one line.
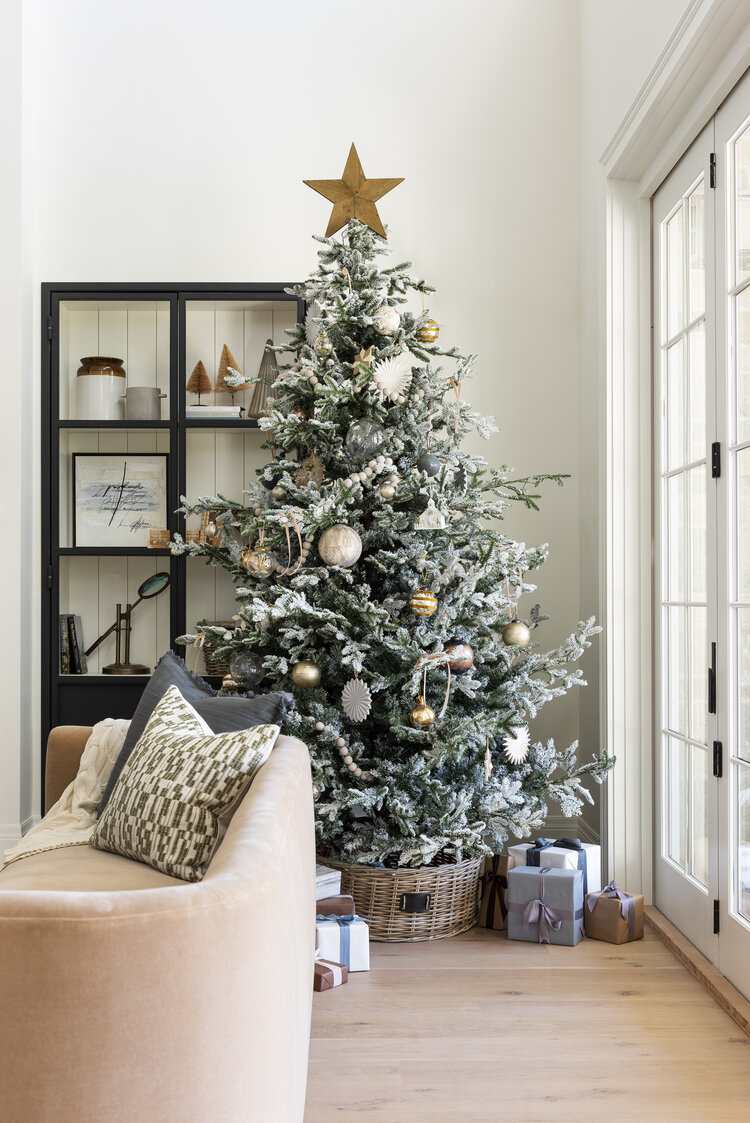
[(99, 385)]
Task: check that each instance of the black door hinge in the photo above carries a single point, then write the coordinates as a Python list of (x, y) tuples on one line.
[(712, 681), (716, 918), (715, 460), (718, 759), (712, 170), (50, 327), (50, 576)]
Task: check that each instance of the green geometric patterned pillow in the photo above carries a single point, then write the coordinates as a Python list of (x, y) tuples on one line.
[(178, 784)]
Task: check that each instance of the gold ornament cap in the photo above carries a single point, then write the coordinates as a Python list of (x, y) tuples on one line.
[(516, 634), (423, 716)]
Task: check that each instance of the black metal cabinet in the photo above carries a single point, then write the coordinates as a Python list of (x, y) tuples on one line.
[(162, 330)]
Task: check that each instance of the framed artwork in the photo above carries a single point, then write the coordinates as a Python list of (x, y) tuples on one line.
[(118, 497)]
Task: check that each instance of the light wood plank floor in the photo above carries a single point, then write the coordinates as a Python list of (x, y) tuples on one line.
[(479, 1029)]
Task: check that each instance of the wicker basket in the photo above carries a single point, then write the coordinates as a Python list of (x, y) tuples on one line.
[(219, 667), (379, 898)]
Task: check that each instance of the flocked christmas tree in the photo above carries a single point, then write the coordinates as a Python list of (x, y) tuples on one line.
[(376, 583)]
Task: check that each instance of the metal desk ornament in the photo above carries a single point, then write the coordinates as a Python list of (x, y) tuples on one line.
[(151, 587)]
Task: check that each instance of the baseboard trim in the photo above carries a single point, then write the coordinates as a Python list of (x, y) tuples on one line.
[(11, 833), (710, 978)]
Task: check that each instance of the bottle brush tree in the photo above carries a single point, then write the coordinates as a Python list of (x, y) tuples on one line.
[(375, 582)]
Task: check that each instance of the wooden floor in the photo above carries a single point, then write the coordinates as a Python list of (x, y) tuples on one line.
[(480, 1029)]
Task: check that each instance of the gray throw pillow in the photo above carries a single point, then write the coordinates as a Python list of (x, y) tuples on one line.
[(222, 714)]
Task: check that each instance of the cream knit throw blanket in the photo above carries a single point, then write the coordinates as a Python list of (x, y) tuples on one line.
[(72, 819)]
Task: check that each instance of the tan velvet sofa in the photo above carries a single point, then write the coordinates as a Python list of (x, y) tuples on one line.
[(129, 997)]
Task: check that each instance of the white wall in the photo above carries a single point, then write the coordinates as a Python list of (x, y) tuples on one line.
[(619, 45), (168, 142)]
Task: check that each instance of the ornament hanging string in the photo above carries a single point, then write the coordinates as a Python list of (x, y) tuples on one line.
[(290, 518), (424, 661), (198, 642), (457, 385)]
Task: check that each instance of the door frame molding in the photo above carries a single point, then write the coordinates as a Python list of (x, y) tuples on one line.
[(705, 57)]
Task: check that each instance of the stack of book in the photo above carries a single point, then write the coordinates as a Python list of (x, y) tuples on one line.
[(205, 413), (72, 653)]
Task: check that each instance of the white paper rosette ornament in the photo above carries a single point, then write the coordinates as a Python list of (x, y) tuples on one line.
[(516, 744), (356, 700), (392, 376)]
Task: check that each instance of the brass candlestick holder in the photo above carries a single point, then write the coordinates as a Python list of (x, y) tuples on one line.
[(151, 587)]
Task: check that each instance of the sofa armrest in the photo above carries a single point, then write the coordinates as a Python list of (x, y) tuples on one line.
[(65, 746)]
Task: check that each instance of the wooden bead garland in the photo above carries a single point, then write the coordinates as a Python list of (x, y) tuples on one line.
[(343, 750)]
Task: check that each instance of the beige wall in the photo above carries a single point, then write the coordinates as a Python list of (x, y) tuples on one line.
[(179, 157)]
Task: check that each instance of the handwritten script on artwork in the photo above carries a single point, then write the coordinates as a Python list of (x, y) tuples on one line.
[(119, 498)]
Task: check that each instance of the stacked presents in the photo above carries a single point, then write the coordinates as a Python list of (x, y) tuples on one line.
[(342, 939), (549, 892)]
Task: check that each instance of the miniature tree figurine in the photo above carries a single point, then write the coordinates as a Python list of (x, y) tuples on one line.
[(199, 382), (230, 378)]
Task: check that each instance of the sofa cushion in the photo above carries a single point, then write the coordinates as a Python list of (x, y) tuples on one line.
[(82, 869), (223, 714), (179, 785)]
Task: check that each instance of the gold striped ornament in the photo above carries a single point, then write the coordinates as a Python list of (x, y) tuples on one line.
[(428, 332), (423, 602)]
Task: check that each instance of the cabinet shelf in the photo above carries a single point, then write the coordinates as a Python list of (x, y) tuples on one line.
[(220, 423), (165, 426), (112, 552), (99, 680)]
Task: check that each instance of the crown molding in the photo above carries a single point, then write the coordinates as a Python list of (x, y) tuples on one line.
[(706, 55)]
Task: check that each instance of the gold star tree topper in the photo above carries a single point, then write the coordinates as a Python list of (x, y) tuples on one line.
[(354, 196)]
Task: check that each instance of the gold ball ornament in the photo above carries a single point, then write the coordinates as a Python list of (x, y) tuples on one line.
[(316, 792), (388, 491), (259, 562), (323, 346), (302, 414), (428, 332), (279, 492), (306, 674), (339, 545), (423, 716), (229, 686), (516, 634), (423, 602)]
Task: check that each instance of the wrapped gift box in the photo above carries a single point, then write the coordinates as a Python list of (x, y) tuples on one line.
[(614, 916), (493, 886), (327, 882), (327, 974), (344, 939), (545, 905), (340, 905), (563, 853)]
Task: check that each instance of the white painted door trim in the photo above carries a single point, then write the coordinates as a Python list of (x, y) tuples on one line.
[(705, 57)]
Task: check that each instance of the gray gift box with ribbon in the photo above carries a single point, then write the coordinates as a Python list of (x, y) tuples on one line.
[(545, 905)]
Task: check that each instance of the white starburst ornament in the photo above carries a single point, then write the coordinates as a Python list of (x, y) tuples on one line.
[(356, 700), (392, 376), (516, 744)]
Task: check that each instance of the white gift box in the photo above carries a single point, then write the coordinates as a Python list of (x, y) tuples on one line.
[(327, 882), (558, 857), (344, 939)]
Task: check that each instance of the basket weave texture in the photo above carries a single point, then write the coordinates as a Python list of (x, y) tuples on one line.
[(453, 889)]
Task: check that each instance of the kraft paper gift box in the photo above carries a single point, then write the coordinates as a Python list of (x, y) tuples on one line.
[(545, 905), (327, 975), (614, 916), (340, 905), (563, 853), (344, 939), (327, 881), (493, 887)]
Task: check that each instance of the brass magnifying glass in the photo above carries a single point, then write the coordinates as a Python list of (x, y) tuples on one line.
[(151, 587)]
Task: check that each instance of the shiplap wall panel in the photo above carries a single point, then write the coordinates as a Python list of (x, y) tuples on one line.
[(200, 344), (82, 334)]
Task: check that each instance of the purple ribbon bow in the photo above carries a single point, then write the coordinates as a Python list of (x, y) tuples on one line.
[(494, 884), (534, 854), (344, 936), (536, 912), (627, 904)]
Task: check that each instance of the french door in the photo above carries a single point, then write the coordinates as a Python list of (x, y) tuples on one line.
[(701, 260)]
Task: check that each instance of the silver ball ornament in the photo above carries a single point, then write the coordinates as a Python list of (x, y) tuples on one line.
[(516, 634), (386, 320), (364, 439), (247, 669)]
